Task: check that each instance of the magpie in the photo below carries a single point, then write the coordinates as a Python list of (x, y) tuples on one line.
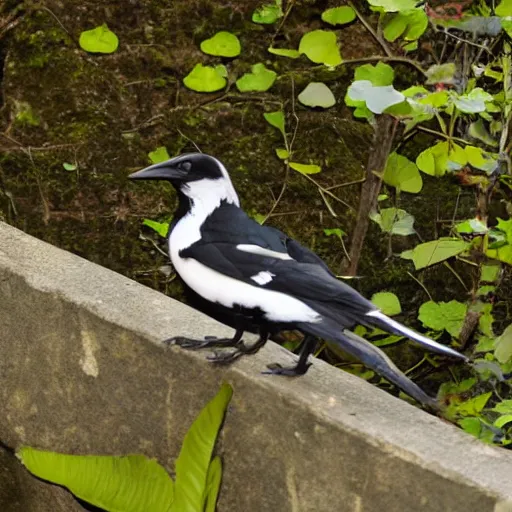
[(264, 280)]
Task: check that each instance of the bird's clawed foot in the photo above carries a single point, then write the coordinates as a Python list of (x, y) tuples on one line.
[(207, 341), (240, 350), (288, 371)]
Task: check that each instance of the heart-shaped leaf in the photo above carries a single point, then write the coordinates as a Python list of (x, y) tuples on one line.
[(321, 47), (402, 174), (339, 15), (268, 13), (379, 75), (259, 79), (317, 94), (378, 98), (99, 40), (204, 79), (276, 119), (222, 44), (394, 221), (387, 302)]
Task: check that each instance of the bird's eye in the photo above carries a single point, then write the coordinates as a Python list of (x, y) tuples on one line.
[(186, 166)]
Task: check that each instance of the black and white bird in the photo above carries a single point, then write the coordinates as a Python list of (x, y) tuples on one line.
[(262, 279)]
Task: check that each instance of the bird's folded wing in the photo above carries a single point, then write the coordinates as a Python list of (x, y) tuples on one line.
[(309, 282)]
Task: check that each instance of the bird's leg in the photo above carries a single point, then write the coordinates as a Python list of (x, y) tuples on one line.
[(307, 347), (207, 341), (240, 350)]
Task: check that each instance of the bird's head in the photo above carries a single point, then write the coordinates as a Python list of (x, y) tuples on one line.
[(195, 175)]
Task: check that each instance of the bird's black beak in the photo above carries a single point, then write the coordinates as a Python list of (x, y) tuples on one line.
[(161, 171)]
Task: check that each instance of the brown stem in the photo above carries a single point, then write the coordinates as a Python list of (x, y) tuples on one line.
[(381, 148)]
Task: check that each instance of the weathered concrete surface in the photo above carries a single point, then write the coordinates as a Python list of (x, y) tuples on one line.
[(20, 492), (82, 371)]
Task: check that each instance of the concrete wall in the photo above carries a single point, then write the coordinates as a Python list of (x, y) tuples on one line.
[(83, 371)]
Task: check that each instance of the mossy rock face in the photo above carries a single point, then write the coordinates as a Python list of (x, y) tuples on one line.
[(104, 113)]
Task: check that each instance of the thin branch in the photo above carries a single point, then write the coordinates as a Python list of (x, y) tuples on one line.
[(421, 284), (370, 29), (441, 135)]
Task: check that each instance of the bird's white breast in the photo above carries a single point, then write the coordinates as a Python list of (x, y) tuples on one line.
[(225, 290)]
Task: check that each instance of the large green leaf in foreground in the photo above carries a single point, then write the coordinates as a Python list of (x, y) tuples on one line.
[(132, 483), (192, 466)]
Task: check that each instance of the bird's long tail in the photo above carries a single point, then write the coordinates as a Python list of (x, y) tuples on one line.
[(370, 356), (379, 319)]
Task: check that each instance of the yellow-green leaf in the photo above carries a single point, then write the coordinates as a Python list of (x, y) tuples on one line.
[(99, 40), (305, 168)]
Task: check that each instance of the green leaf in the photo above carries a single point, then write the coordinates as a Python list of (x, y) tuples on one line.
[(484, 344), (503, 346), (222, 44), (502, 420), (490, 273), (379, 75), (159, 155), (402, 174), (221, 70), (69, 167), (471, 226), (276, 119), (442, 157), (213, 481), (474, 406), (282, 153), (339, 15), (321, 47), (472, 426), (430, 253), (192, 465), (259, 79), (361, 110), (285, 52), (440, 316), (305, 168), (131, 483), (204, 79), (377, 98), (387, 302), (503, 253), (335, 232), (441, 73), (268, 13), (410, 24), (99, 40), (394, 221), (258, 217), (503, 407), (411, 47), (478, 131), (317, 94), (480, 159), (162, 228), (394, 5), (504, 8), (473, 102)]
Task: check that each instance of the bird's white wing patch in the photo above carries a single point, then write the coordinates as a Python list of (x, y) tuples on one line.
[(263, 277), (261, 251)]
